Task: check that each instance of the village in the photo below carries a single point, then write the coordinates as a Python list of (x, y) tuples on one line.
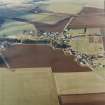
[(62, 37), (59, 63)]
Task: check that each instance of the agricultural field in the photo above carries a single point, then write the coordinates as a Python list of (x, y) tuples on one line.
[(90, 31), (101, 73), (70, 70), (27, 87), (72, 6), (99, 63), (82, 45), (13, 28), (49, 18), (64, 7), (80, 83), (35, 17)]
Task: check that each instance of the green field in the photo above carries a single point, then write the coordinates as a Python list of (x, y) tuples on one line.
[(35, 17), (64, 6), (50, 18), (14, 28)]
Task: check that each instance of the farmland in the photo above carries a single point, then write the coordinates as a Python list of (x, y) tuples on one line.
[(82, 45), (25, 86), (80, 83), (70, 66), (65, 7), (13, 28)]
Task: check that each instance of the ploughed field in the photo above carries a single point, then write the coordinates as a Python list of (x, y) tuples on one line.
[(31, 56), (83, 99), (83, 88)]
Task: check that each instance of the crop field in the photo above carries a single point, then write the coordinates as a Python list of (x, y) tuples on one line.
[(101, 73), (27, 87), (82, 45), (64, 7), (32, 57), (35, 17), (75, 32), (49, 18), (99, 63), (72, 6), (14, 28), (80, 83)]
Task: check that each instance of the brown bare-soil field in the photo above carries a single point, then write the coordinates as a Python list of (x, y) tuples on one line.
[(83, 99), (31, 56)]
